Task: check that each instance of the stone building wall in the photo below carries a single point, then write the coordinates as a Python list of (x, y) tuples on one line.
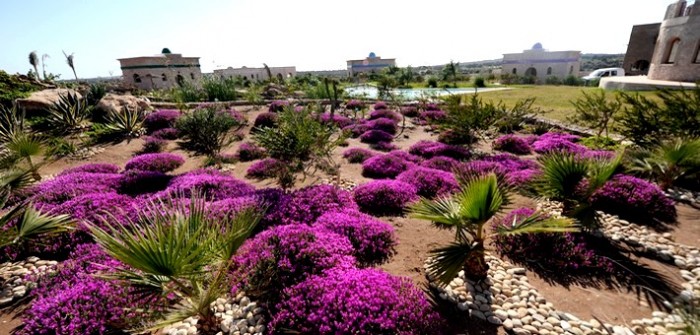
[(372, 63), (160, 72), (676, 55), (255, 73), (640, 49), (540, 63)]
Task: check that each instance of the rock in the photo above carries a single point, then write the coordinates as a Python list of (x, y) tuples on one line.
[(5, 301), (517, 271), (531, 329), (501, 314), (508, 324), (522, 312), (494, 320), (42, 101), (565, 325), (115, 103), (478, 314), (521, 331)]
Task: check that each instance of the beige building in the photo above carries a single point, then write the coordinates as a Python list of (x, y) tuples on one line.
[(371, 64), (677, 52), (258, 73), (160, 71), (540, 63)]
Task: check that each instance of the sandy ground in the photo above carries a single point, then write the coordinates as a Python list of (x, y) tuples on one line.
[(614, 304)]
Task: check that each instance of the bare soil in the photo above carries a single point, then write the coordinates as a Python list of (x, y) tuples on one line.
[(616, 304)]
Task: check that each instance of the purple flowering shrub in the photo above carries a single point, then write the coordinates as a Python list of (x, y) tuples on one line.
[(376, 136), (356, 301), (161, 119), (384, 166), (153, 144), (383, 146), (265, 169), (92, 168), (250, 152), (380, 105), (429, 183), (357, 155), (384, 197), (432, 107), (136, 182), (266, 119), (307, 204), (517, 172), (513, 144), (557, 142), (278, 106), (405, 156), (338, 120), (429, 149), (569, 253), (285, 255), (74, 302), (229, 208), (161, 162), (354, 104), (56, 191), (384, 124), (441, 163), (166, 134), (210, 184), (635, 199), (385, 114), (409, 111), (373, 241), (430, 116), (356, 130), (94, 208)]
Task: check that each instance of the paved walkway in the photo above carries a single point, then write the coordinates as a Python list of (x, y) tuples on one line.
[(641, 83)]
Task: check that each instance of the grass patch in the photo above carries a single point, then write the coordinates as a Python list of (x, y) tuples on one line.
[(555, 101)]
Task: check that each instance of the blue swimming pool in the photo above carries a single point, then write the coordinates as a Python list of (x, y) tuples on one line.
[(372, 92)]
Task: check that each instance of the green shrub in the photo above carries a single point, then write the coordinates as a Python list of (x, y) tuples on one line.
[(60, 147), (600, 143), (187, 92), (595, 111), (572, 80), (465, 122), (479, 82), (206, 130), (96, 93), (552, 80), (11, 88), (219, 88), (126, 123), (432, 82), (510, 120)]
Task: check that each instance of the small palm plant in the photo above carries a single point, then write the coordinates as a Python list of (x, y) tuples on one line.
[(23, 222), (17, 143), (184, 253), (69, 114), (573, 180), (670, 161), (481, 198)]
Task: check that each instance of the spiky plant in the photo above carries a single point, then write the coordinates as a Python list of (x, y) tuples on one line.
[(182, 252), (466, 212), (670, 161), (69, 114), (34, 61), (69, 61), (573, 180), (11, 123), (126, 123)]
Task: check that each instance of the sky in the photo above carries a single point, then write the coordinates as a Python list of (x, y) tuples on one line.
[(308, 34)]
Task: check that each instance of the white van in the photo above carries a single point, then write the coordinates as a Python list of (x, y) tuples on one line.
[(607, 72)]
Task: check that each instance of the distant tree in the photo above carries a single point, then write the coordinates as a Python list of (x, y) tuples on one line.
[(34, 60), (449, 72), (43, 64), (405, 75), (69, 60)]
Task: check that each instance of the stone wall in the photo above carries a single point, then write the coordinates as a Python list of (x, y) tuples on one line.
[(258, 73), (160, 71), (682, 29), (640, 49)]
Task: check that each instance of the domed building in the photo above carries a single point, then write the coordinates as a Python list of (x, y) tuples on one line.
[(164, 70), (669, 50), (540, 63), (371, 64)]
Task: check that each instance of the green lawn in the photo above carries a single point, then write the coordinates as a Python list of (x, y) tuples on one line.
[(554, 101)]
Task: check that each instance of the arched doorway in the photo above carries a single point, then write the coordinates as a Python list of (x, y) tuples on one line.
[(531, 72), (641, 65)]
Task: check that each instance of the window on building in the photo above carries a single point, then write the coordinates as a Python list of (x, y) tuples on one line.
[(571, 69), (165, 78), (180, 80), (515, 71), (137, 78), (192, 76), (672, 51), (697, 54), (641, 65), (549, 70)]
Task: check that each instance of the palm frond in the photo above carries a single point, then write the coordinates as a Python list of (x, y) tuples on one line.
[(11, 123), (446, 262), (31, 222), (25, 145), (444, 212), (537, 223), (128, 122), (601, 172), (561, 174), (481, 199)]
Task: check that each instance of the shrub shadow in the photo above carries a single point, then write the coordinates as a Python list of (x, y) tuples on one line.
[(458, 322)]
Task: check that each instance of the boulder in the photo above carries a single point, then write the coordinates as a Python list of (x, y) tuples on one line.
[(114, 103), (42, 101)]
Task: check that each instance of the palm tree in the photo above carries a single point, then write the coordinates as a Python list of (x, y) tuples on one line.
[(69, 60), (573, 181), (183, 252), (480, 199), (43, 64), (670, 161), (34, 61), (449, 72)]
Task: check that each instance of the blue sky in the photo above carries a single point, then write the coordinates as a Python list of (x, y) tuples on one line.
[(310, 34)]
